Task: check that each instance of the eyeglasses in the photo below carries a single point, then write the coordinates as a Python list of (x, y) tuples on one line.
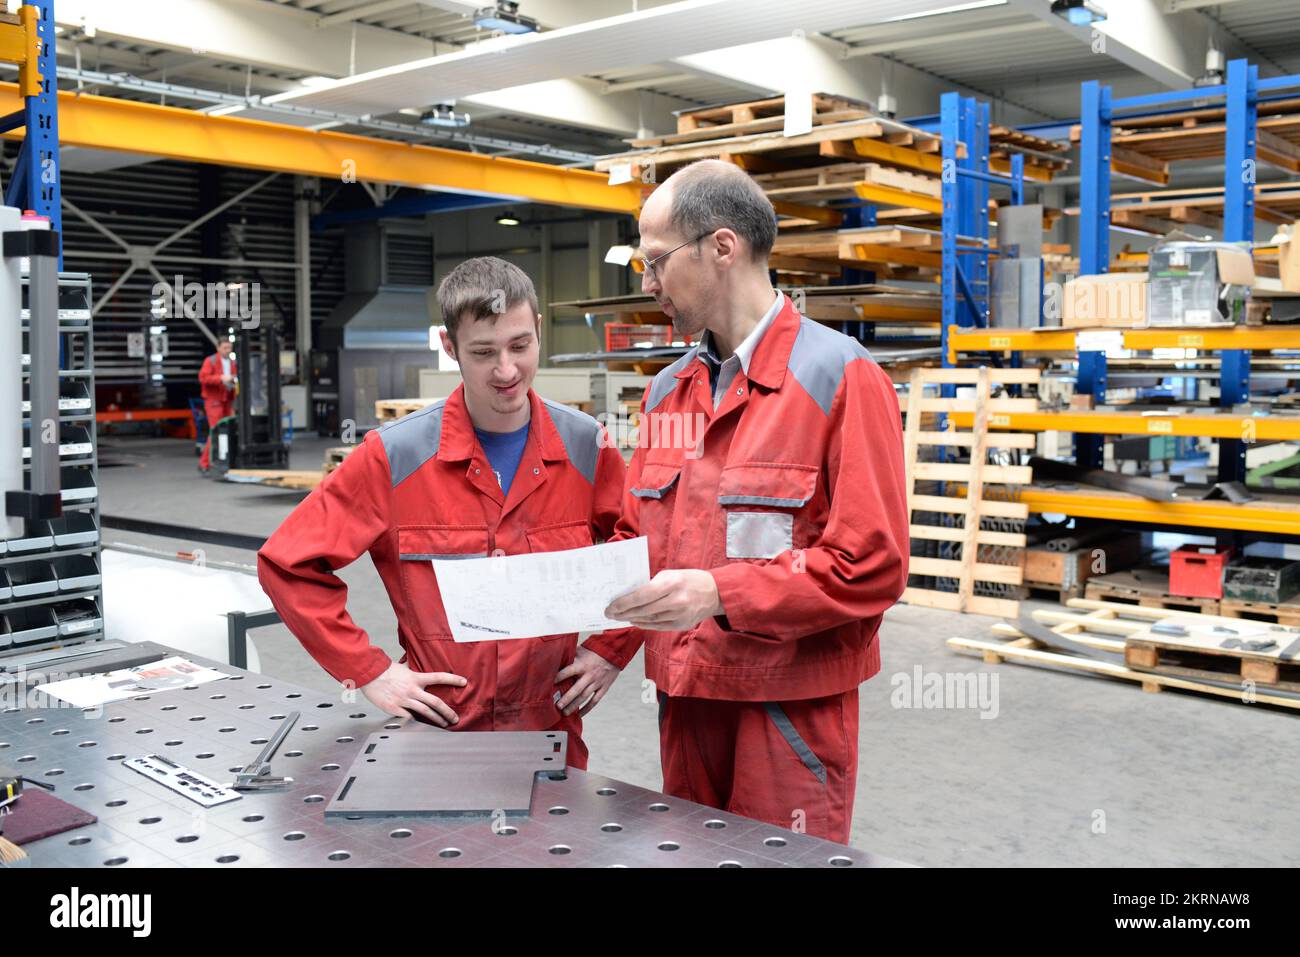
[(651, 265)]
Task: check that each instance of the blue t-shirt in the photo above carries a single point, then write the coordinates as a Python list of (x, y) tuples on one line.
[(504, 450)]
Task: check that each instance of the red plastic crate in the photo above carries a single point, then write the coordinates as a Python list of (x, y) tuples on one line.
[(1196, 571), (629, 335)]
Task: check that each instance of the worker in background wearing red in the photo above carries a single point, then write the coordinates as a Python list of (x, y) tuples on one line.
[(779, 539), (217, 378), (492, 469)]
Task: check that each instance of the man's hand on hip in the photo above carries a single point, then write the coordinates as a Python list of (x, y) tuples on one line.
[(674, 600), (594, 677), (401, 691)]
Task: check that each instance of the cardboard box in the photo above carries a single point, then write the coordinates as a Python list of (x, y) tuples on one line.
[(1288, 258), (1105, 300)]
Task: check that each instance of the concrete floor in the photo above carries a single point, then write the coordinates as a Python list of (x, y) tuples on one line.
[(1071, 771)]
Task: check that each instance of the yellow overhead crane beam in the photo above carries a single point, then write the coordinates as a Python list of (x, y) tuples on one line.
[(107, 123)]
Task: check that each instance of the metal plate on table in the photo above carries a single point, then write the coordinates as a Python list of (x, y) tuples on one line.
[(415, 773)]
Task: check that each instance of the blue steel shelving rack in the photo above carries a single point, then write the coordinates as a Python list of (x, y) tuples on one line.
[(965, 182), (1241, 94)]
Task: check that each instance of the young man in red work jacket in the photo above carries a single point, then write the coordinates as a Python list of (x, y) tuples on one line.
[(217, 378), (492, 469), (779, 539)]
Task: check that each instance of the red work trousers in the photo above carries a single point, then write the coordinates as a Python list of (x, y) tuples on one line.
[(215, 411), (792, 764)]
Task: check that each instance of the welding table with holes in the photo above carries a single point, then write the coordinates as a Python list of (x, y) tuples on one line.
[(576, 820)]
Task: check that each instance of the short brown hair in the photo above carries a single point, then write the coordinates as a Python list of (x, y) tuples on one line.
[(483, 288), (711, 194)]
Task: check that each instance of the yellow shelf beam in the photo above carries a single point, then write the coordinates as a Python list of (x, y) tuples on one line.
[(1279, 518), (889, 196), (101, 122), (1273, 428), (1254, 338), (20, 44)]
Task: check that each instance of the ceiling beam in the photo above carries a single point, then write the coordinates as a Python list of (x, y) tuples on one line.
[(647, 36), (272, 35), (1167, 47)]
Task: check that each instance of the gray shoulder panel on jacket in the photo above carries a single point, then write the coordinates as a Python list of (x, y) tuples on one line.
[(580, 434), (412, 440), (665, 380), (819, 357)]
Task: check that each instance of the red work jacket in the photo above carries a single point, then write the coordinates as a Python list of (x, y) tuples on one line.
[(791, 494), (421, 488), (210, 385)]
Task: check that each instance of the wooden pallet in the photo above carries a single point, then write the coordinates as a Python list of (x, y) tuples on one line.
[(1285, 613), (1109, 627), (766, 152), (334, 457), (840, 181), (753, 116), (388, 410), (979, 500), (1052, 591), (300, 479), (1146, 587)]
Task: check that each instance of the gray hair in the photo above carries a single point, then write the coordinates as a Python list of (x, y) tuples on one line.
[(483, 288), (713, 194)]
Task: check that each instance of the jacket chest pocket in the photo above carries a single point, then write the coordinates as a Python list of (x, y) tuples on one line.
[(762, 502), (656, 494), (418, 546), (560, 536)]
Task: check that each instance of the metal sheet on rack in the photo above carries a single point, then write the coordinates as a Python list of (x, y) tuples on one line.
[(576, 820), (407, 773)]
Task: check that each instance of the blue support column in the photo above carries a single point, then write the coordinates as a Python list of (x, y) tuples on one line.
[(1094, 179), (1089, 450), (857, 216), (34, 184), (1238, 227), (950, 131), (42, 137), (1094, 242)]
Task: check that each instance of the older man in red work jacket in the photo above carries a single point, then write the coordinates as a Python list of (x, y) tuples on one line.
[(492, 469), (217, 378), (779, 539)]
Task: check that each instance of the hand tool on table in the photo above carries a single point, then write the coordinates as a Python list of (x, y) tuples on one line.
[(256, 775)]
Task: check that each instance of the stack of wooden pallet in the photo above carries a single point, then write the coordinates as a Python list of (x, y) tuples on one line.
[(849, 153)]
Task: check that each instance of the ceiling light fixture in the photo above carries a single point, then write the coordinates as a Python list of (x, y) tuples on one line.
[(505, 17), (508, 218), (1081, 13)]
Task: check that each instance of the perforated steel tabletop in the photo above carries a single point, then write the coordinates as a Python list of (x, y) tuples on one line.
[(579, 820)]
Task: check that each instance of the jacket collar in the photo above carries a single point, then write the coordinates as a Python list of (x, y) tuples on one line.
[(458, 441), (771, 356)]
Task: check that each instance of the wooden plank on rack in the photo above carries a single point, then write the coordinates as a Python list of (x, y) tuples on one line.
[(1139, 165)]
